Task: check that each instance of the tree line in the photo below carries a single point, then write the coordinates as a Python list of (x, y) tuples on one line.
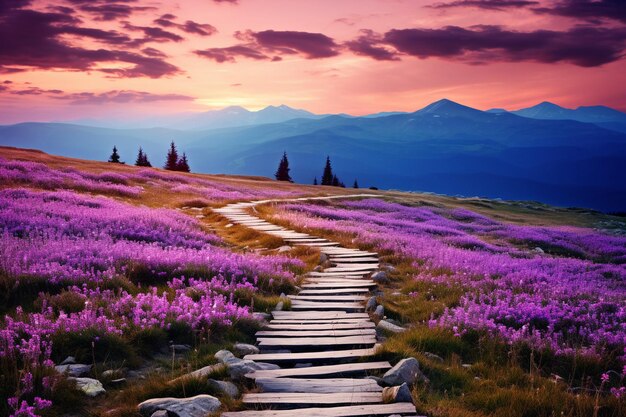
[(173, 162), (328, 177)]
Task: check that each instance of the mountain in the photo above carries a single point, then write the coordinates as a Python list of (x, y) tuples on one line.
[(600, 115), (445, 147)]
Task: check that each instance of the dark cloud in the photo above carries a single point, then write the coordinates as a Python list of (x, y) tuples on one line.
[(371, 44), (153, 53), (35, 91), (7, 5), (202, 29), (121, 96), (39, 40), (485, 4), (582, 46), (587, 9), (112, 11), (153, 34), (271, 44), (229, 54)]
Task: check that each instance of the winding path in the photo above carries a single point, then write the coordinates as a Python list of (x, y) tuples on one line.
[(323, 342)]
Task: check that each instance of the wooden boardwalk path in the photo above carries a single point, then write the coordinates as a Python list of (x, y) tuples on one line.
[(322, 344)]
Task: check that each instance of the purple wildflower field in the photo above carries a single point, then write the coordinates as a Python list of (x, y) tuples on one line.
[(568, 297), (80, 245)]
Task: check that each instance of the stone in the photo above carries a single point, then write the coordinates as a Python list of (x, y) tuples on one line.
[(380, 277), (407, 370), (180, 348), (261, 316), (70, 360), (204, 372), (283, 249), (224, 355), (378, 380), (397, 394), (91, 387), (323, 258), (318, 269), (160, 413), (76, 370), (198, 406), (303, 365), (371, 304), (279, 306), (466, 366), (384, 325), (380, 311), (117, 382), (225, 387), (433, 357), (539, 250), (239, 368), (243, 349), (113, 373)]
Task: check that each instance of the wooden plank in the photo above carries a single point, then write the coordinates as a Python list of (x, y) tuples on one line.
[(334, 291), (321, 371), (312, 315), (350, 297), (327, 305), (310, 342), (296, 399), (334, 273), (339, 284), (329, 385), (302, 322), (321, 326), (345, 411), (316, 333), (325, 356), (354, 259)]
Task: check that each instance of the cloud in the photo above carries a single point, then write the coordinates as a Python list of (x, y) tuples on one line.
[(371, 44), (587, 9), (582, 46), (485, 4), (121, 96), (202, 29), (272, 44), (34, 39), (113, 11), (153, 34)]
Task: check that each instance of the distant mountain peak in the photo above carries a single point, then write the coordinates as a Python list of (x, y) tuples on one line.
[(446, 107)]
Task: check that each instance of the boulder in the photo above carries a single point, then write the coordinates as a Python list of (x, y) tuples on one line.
[(539, 250), (69, 361), (397, 394), (243, 349), (279, 306), (225, 387), (224, 355), (75, 369), (380, 277), (378, 380), (198, 406), (239, 368), (283, 249), (323, 258), (160, 413), (91, 387), (261, 316), (407, 370), (202, 372), (385, 325), (180, 348), (371, 304), (380, 311)]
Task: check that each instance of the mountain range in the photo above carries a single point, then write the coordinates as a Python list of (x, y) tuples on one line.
[(559, 156)]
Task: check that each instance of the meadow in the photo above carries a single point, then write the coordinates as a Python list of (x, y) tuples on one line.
[(528, 319)]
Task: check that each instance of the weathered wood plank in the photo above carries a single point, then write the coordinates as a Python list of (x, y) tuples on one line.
[(334, 291), (310, 342), (321, 326), (339, 284), (352, 297), (324, 357), (354, 259), (304, 321), (296, 399), (345, 411), (321, 371), (329, 385), (316, 333), (312, 315), (330, 305)]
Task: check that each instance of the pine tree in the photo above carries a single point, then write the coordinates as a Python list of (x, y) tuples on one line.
[(171, 163), (282, 173), (315, 181), (142, 159), (355, 185), (327, 177), (335, 181), (115, 157), (183, 164)]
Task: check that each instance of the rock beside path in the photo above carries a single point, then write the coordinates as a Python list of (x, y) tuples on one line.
[(91, 387), (74, 369), (198, 406), (407, 370), (389, 327), (224, 387), (243, 349), (397, 394)]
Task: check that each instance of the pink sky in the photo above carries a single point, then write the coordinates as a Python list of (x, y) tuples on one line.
[(90, 61)]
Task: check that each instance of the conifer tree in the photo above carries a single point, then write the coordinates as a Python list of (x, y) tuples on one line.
[(315, 181), (115, 157), (327, 177), (282, 173), (171, 162), (356, 184), (183, 164), (335, 181), (142, 159)]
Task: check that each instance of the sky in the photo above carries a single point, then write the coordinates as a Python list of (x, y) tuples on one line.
[(63, 60)]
